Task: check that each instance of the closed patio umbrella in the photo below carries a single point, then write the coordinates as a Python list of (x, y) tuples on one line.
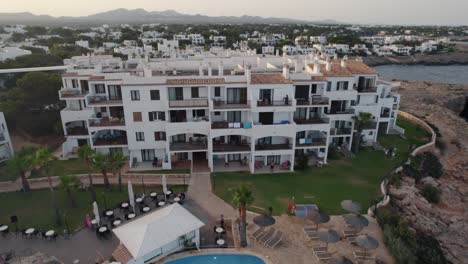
[(131, 195), (318, 217), (164, 184), (351, 206), (96, 213), (367, 242), (264, 220), (358, 222), (328, 236)]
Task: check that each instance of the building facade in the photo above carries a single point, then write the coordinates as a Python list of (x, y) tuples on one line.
[(6, 147), (234, 113)]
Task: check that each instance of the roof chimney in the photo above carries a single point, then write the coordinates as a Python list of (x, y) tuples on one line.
[(221, 68), (200, 69), (210, 70), (297, 66), (277, 52), (286, 71), (98, 67), (344, 61), (147, 72), (248, 74), (328, 65), (316, 67)]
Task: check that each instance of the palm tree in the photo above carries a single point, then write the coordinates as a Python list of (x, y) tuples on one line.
[(242, 197), (21, 163), (118, 160), (85, 153), (69, 183), (360, 121), (43, 158), (102, 162)]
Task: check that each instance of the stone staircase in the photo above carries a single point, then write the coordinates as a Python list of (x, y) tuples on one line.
[(344, 150)]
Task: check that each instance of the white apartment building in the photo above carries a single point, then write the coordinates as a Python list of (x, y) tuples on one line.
[(401, 50), (318, 39), (268, 50), (12, 52), (82, 43), (6, 147), (231, 113)]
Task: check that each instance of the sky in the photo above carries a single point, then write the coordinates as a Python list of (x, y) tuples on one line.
[(429, 12)]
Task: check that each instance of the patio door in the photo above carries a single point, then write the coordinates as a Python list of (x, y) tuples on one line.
[(266, 95), (234, 157), (176, 94), (301, 113), (147, 154), (274, 158), (115, 93), (234, 116), (236, 95), (266, 118)]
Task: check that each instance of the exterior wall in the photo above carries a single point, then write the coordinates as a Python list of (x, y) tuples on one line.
[(6, 146)]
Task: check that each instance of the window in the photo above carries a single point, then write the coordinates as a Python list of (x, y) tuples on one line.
[(135, 95), (342, 86), (140, 136), (198, 113), (156, 115), (100, 88), (74, 83), (147, 154), (195, 92), (314, 88), (217, 91), (329, 85), (159, 136), (137, 117), (217, 113), (155, 95)]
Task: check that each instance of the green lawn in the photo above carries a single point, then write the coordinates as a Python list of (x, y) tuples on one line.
[(62, 167), (5, 175), (174, 171), (34, 208), (357, 179)]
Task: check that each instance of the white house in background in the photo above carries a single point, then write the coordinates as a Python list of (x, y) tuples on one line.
[(12, 52), (325, 49), (318, 39), (342, 48), (401, 50), (109, 45), (129, 43), (427, 46), (90, 34), (218, 38), (361, 48), (289, 50), (82, 43), (115, 35), (301, 40), (306, 50), (157, 234), (270, 50), (245, 110), (15, 29), (382, 50), (151, 40), (6, 147), (168, 47)]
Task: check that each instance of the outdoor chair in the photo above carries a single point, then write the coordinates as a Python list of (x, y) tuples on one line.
[(267, 236), (311, 235), (363, 255), (320, 248), (277, 238), (258, 232), (309, 229), (323, 255)]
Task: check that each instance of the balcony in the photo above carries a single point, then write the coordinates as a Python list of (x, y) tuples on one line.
[(385, 114), (219, 104), (72, 94), (110, 140), (231, 147), (369, 89), (369, 125), (311, 142), (340, 131), (103, 100), (2, 136), (77, 131), (188, 146), (314, 100), (261, 103), (228, 125), (202, 102), (311, 121), (349, 111), (260, 147), (106, 122)]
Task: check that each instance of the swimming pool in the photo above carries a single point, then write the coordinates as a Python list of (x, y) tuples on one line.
[(219, 259)]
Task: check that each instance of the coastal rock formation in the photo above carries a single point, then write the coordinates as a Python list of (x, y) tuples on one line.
[(448, 220)]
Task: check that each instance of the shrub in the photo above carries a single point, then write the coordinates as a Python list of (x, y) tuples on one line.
[(302, 162), (431, 193), (410, 171), (428, 165), (440, 144), (333, 153)]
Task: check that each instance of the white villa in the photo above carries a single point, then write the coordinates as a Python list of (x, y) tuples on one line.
[(242, 113), (6, 147)]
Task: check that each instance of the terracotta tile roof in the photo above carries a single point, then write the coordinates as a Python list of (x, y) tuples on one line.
[(268, 78), (357, 67), (122, 255), (97, 78), (352, 67), (195, 81), (313, 79)]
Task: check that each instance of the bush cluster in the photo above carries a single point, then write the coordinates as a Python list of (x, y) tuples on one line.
[(424, 165), (431, 193)]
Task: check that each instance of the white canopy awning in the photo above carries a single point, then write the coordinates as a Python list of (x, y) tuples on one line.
[(156, 229)]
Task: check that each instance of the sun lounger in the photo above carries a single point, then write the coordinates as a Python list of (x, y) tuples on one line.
[(363, 255), (323, 255), (275, 240), (252, 228), (266, 235), (318, 249), (258, 232), (310, 229), (349, 232), (351, 239), (311, 235)]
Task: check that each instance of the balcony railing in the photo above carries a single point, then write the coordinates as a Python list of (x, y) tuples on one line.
[(229, 125), (341, 112), (340, 131), (110, 140), (314, 100), (219, 104), (72, 93), (369, 125), (272, 146), (188, 146), (2, 136), (368, 89), (106, 122), (311, 142), (274, 103), (311, 120), (102, 99), (77, 131), (231, 147), (202, 102), (385, 114)]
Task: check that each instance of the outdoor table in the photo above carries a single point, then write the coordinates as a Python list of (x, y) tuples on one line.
[(109, 213), (139, 200), (168, 192), (102, 229), (130, 216), (117, 222), (3, 228), (124, 205), (161, 203), (176, 199), (29, 231), (146, 209), (220, 242), (153, 194), (50, 233), (94, 222), (219, 230)]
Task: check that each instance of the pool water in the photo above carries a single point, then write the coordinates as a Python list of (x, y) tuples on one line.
[(219, 259)]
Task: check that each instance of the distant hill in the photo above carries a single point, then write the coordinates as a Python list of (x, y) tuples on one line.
[(139, 16)]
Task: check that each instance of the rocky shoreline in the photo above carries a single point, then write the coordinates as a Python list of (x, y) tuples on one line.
[(447, 221)]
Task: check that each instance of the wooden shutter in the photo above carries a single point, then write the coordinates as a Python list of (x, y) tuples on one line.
[(137, 117)]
